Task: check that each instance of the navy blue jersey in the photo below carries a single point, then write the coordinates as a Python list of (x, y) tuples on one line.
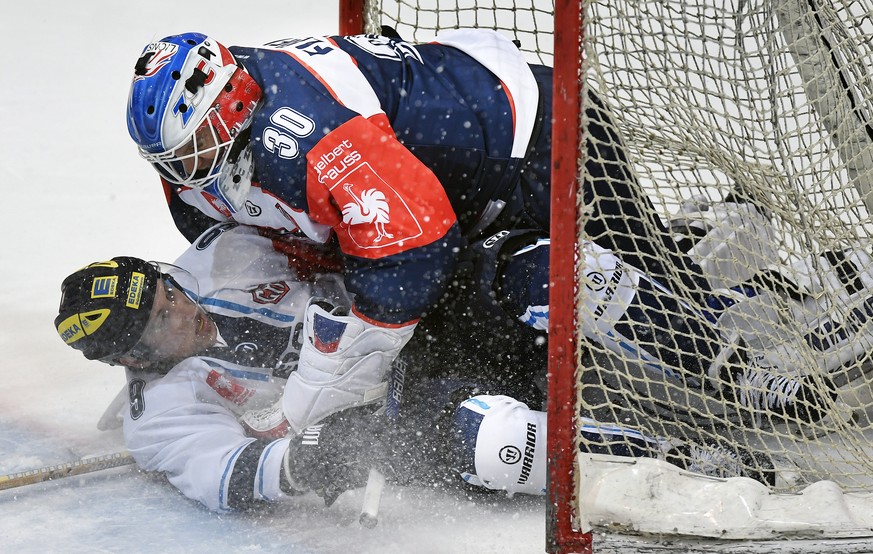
[(450, 111)]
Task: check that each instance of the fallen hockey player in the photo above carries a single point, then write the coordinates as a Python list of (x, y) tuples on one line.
[(436, 189)]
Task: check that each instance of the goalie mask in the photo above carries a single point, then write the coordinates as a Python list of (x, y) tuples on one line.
[(188, 102), (105, 306)]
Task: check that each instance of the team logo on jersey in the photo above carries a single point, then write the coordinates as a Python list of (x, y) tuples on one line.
[(216, 204), (137, 400), (377, 217), (228, 388), (371, 207), (381, 201), (271, 293)]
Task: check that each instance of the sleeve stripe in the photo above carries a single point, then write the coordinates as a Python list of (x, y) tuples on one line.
[(224, 489)]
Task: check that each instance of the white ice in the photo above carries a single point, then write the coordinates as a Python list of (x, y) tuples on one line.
[(74, 191)]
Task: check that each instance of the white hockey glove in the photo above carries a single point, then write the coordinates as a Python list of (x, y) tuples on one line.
[(344, 363)]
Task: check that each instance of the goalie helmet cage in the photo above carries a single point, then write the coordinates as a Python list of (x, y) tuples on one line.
[(749, 126)]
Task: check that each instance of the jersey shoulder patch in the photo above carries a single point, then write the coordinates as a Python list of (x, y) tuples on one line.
[(388, 201)]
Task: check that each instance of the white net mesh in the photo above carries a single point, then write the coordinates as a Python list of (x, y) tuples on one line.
[(530, 22), (767, 103)]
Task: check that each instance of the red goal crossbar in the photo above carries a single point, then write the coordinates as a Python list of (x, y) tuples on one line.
[(351, 17)]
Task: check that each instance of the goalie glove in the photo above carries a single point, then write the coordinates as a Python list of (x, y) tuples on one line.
[(344, 363)]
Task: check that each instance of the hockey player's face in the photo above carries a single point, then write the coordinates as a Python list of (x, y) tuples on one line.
[(177, 328)]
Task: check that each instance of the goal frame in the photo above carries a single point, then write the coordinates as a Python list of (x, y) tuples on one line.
[(563, 533)]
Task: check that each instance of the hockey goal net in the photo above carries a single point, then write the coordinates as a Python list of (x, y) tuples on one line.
[(749, 126)]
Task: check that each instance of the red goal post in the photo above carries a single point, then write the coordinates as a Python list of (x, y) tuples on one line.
[(563, 533)]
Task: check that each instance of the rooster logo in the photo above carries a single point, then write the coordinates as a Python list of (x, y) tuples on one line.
[(370, 207)]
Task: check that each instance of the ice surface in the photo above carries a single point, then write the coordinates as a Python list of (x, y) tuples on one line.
[(74, 191)]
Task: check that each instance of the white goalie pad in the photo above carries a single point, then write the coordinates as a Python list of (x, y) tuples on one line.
[(677, 502), (344, 363), (815, 275)]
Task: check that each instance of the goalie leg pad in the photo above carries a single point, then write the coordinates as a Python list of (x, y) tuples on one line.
[(734, 240), (344, 363), (631, 314)]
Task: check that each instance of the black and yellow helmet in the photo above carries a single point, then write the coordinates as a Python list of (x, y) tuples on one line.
[(105, 306)]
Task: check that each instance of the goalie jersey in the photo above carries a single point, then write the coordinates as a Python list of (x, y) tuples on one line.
[(392, 152)]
